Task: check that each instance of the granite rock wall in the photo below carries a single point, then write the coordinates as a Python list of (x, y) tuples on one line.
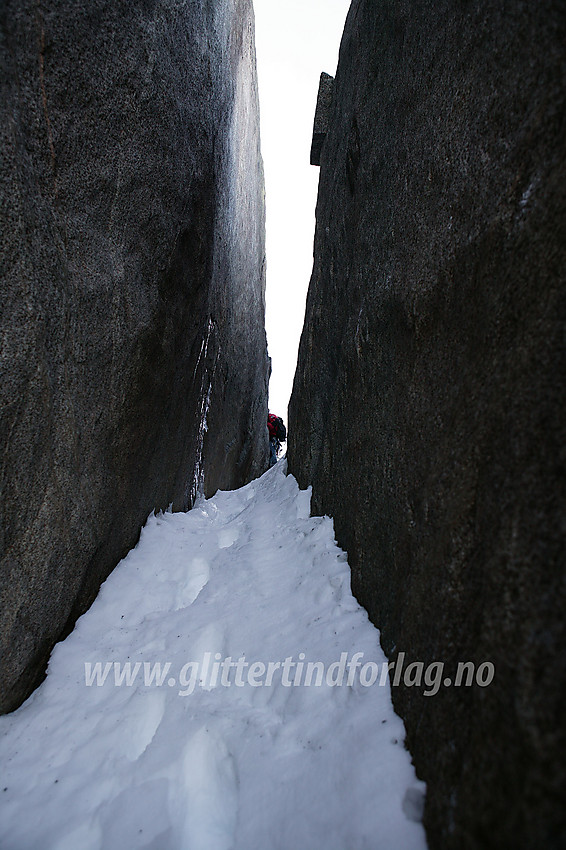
[(133, 360), (428, 403)]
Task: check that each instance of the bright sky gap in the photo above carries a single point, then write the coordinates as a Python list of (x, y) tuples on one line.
[(295, 41)]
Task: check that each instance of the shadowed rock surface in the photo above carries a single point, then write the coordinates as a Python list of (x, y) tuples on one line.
[(133, 362), (321, 116), (428, 404)]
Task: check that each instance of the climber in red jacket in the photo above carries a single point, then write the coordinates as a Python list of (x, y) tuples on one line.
[(277, 435)]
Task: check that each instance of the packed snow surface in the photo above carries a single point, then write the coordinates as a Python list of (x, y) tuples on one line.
[(219, 740)]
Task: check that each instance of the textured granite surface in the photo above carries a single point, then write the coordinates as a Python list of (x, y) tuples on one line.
[(428, 404), (133, 359)]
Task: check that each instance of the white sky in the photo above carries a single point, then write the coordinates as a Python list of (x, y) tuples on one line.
[(295, 41)]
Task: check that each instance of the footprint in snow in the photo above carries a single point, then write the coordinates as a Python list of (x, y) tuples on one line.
[(227, 537), (198, 573), (211, 788)]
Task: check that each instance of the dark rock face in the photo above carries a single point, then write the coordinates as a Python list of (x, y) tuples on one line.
[(427, 409), (134, 365), (321, 116)]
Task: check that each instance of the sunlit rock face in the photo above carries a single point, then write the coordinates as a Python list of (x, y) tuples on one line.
[(427, 409), (134, 361)]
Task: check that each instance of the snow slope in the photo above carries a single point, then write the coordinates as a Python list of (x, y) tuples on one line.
[(205, 762)]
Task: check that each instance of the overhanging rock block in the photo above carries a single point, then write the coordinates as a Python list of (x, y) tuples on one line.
[(321, 116)]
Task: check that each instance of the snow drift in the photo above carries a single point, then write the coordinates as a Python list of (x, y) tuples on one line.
[(179, 714)]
